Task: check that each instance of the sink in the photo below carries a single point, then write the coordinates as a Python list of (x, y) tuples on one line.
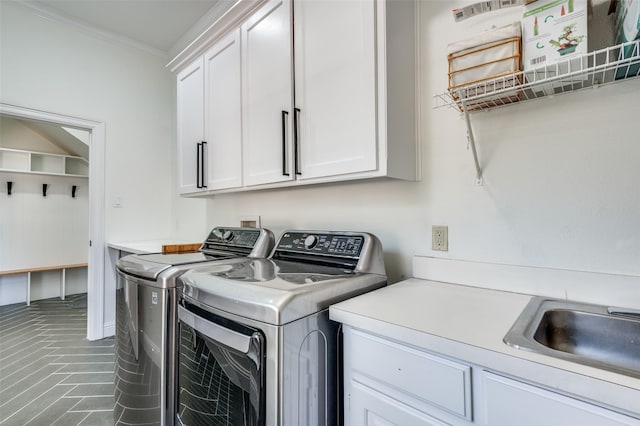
[(579, 332)]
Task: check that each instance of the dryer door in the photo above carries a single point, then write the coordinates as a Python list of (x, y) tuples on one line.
[(221, 373)]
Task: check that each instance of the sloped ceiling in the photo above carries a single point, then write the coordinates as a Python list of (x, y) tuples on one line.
[(74, 144)]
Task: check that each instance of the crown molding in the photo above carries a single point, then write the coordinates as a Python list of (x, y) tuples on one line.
[(212, 15), (229, 20), (48, 13)]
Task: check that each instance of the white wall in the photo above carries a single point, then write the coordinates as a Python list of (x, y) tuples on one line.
[(560, 174), (37, 231), (43, 231), (560, 178), (59, 68)]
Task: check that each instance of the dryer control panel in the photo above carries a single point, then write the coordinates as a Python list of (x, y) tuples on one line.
[(320, 243)]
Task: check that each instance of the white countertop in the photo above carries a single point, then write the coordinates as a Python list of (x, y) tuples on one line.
[(147, 246), (469, 323)]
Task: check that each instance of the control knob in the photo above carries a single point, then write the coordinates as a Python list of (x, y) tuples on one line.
[(310, 242), (227, 236)]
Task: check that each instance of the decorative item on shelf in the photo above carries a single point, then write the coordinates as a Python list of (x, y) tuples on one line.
[(475, 9), (486, 63), (554, 41), (44, 189), (627, 29), (597, 68), (73, 191)]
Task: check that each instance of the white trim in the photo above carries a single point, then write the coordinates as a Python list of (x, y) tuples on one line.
[(419, 88), (212, 15), (96, 296), (581, 286), (230, 20), (50, 13), (110, 328), (95, 288)]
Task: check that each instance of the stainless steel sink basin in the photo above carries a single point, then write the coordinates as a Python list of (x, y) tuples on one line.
[(582, 333)]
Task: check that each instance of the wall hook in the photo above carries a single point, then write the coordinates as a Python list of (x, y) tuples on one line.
[(73, 191), (9, 187), (44, 189)]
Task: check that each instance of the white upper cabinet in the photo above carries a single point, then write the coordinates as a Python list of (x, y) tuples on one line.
[(268, 96), (223, 114), (190, 98), (335, 88), (329, 92), (210, 119)]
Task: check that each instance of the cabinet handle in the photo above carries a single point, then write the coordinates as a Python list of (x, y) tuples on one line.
[(203, 164), (285, 169), (198, 163), (296, 140)]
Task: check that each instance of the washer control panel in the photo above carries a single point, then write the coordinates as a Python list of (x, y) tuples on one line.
[(235, 237), (319, 243)]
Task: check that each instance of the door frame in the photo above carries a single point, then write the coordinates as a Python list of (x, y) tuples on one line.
[(95, 285)]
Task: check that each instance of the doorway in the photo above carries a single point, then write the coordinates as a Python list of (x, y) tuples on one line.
[(96, 268)]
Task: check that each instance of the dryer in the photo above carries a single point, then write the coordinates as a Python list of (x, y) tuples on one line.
[(146, 321)]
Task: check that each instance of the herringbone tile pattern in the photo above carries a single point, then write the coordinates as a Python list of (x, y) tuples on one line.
[(50, 374)]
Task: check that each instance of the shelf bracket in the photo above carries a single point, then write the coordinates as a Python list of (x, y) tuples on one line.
[(472, 141)]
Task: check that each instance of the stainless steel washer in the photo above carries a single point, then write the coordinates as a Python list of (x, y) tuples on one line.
[(257, 346), (146, 321)]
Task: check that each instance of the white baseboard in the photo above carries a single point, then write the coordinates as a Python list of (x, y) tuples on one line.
[(588, 287), (109, 329)]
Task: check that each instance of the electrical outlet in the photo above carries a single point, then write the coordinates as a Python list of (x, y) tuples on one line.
[(440, 238)]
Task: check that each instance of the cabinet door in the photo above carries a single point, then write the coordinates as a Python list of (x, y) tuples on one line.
[(509, 402), (335, 87), (371, 408), (268, 95), (190, 86), (223, 111)]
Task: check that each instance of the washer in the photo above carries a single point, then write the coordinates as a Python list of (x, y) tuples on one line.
[(257, 346), (146, 321)]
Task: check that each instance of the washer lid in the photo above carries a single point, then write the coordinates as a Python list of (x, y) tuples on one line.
[(222, 243), (151, 265), (274, 291)]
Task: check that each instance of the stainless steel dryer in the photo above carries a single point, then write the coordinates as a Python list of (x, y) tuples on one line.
[(146, 321), (257, 346)]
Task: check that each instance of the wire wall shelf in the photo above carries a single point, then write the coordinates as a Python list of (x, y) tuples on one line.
[(610, 65), (600, 67)]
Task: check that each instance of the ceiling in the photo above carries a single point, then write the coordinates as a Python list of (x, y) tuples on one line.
[(162, 26), (70, 141)]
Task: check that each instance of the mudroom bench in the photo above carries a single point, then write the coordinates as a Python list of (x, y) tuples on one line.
[(29, 271)]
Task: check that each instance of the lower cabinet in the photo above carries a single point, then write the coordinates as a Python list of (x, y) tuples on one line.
[(387, 382), (372, 408), (510, 402)]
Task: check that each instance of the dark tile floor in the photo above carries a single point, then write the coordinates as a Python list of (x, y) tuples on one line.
[(50, 374)]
